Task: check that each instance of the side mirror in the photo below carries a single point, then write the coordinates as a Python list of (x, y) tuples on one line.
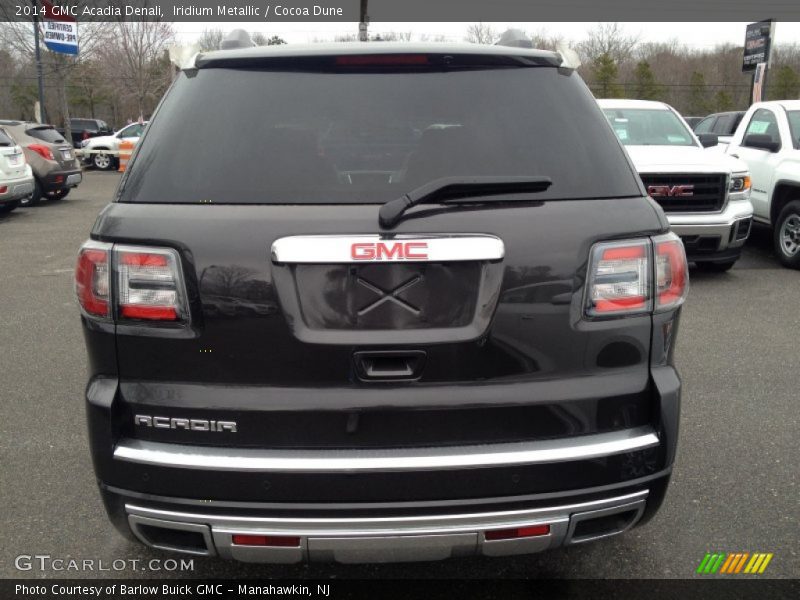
[(708, 139), (762, 142)]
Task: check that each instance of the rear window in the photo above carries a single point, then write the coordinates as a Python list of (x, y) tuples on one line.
[(253, 136), (46, 134), (5, 139), (794, 126)]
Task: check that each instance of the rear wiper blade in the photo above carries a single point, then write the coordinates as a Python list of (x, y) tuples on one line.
[(448, 189)]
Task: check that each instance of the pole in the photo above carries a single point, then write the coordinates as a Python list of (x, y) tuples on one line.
[(364, 21), (42, 113)]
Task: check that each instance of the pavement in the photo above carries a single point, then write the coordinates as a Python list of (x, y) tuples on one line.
[(735, 485)]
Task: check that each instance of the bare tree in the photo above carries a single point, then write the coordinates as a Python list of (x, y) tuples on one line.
[(608, 39), (136, 56), (17, 37), (210, 39), (481, 33)]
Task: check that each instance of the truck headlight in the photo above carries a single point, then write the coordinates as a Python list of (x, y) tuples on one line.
[(739, 184)]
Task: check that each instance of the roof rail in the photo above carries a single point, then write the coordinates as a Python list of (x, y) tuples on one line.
[(238, 38)]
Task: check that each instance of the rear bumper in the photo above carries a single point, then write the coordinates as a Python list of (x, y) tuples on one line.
[(375, 504), (714, 237), (422, 537), (59, 180), (16, 189)]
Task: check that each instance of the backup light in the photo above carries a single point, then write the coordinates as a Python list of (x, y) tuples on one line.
[(637, 276)]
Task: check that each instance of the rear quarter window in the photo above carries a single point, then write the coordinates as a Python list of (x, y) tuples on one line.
[(255, 136)]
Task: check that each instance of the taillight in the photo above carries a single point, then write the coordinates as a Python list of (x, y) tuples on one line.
[(149, 284), (672, 272), (42, 151), (619, 280), (92, 278), (637, 276)]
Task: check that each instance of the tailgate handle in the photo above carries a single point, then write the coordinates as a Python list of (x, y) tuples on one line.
[(389, 365)]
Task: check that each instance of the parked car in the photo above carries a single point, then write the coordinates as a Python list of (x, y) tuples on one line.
[(723, 125), (55, 169), (768, 140), (103, 152), (692, 121), (465, 348), (16, 177), (83, 129), (705, 195)]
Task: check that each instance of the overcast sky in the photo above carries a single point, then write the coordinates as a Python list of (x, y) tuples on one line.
[(695, 35)]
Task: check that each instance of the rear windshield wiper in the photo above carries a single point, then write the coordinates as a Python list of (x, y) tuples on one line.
[(448, 189)]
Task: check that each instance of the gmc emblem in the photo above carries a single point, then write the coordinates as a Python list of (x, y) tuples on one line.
[(389, 251), (675, 191)]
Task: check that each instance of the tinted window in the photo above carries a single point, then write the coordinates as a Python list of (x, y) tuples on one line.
[(289, 137), (794, 126), (46, 134), (723, 125), (706, 125), (648, 127), (5, 139), (763, 122)]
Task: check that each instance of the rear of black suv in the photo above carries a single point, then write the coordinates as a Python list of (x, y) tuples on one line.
[(389, 302)]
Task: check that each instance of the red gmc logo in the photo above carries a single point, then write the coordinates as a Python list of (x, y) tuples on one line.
[(393, 250), (671, 191)]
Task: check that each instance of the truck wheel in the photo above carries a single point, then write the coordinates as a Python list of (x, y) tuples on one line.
[(716, 267), (787, 235), (102, 162), (35, 197)]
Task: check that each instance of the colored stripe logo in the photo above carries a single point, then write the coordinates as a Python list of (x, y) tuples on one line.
[(732, 563)]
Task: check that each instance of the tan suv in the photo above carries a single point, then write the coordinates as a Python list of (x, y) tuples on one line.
[(55, 168)]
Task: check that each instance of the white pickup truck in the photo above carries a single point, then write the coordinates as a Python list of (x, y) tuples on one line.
[(705, 195), (768, 140)]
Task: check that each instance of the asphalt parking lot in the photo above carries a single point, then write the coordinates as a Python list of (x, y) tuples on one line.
[(735, 485)]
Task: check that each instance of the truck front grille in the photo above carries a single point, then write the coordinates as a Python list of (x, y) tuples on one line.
[(686, 192)]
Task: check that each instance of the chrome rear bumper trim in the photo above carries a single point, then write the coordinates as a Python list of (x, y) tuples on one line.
[(382, 460), (387, 539)]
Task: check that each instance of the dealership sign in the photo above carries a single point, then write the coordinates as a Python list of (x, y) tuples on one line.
[(757, 44), (60, 29)]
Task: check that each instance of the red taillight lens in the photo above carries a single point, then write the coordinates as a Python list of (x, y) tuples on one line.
[(92, 278), (672, 272), (3, 189), (517, 532), (85, 135), (149, 284), (619, 278), (42, 151), (266, 540), (357, 60)]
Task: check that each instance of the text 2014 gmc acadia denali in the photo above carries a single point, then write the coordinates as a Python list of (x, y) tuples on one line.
[(388, 302)]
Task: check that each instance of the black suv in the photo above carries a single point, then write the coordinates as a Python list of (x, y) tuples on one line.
[(423, 309)]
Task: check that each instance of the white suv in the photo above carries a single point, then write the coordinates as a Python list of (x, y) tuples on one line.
[(16, 177), (102, 152), (705, 195)]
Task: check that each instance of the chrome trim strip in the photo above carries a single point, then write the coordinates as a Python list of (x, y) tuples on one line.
[(338, 249), (381, 460), (355, 526)]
